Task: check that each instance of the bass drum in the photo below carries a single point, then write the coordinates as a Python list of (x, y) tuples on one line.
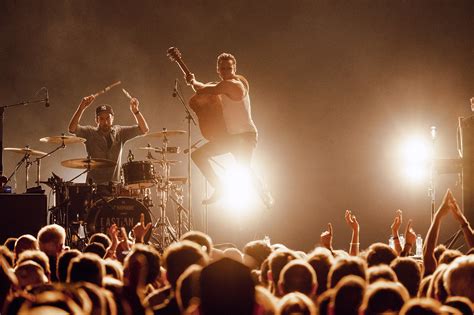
[(125, 212)]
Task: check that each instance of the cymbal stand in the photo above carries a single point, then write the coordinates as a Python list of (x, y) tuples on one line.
[(163, 232), (38, 160), (24, 159)]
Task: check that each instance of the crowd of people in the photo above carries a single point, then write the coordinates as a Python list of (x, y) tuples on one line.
[(117, 275)]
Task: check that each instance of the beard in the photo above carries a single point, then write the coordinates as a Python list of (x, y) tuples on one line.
[(105, 128)]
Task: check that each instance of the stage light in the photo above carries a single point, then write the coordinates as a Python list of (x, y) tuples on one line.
[(239, 191), (415, 156)]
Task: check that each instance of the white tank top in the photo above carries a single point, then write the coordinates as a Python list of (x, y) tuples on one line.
[(237, 115)]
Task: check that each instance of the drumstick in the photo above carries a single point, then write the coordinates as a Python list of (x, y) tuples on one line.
[(107, 88), (127, 94)]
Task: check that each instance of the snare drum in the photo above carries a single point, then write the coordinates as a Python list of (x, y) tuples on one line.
[(138, 174), (123, 211)]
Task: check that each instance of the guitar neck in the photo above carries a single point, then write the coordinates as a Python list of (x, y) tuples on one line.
[(182, 66)]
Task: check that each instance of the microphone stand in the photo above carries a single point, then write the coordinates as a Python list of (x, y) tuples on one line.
[(3, 179), (189, 118)]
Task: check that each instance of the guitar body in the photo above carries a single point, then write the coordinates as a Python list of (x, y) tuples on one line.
[(208, 109)]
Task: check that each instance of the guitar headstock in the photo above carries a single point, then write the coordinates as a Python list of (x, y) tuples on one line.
[(173, 53)]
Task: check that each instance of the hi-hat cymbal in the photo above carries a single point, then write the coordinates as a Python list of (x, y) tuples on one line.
[(26, 150), (165, 133), (171, 162), (88, 163), (61, 139), (161, 150)]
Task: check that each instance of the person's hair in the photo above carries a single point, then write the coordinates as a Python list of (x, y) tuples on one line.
[(448, 256), (95, 248), (114, 269), (437, 290), (297, 276), (278, 259), (25, 242), (49, 236), (323, 301), (8, 255), (348, 295), (187, 287), (459, 277), (38, 257), (438, 251), (381, 272), (63, 262), (424, 286), (296, 303), (51, 302), (408, 273), (179, 256), (380, 253), (226, 56), (153, 261), (226, 287), (86, 268), (346, 266), (263, 277), (461, 303), (321, 260), (258, 250), (199, 238), (10, 243), (100, 238), (384, 296), (30, 273), (421, 306)]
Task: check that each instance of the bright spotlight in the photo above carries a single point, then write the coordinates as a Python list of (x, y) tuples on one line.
[(415, 157), (239, 192)]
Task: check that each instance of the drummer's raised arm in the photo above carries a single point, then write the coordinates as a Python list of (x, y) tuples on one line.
[(142, 124), (85, 102)]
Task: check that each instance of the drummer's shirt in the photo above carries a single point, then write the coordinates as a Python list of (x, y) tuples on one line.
[(107, 147)]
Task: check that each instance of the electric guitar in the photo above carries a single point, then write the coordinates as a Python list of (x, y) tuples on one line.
[(208, 108)]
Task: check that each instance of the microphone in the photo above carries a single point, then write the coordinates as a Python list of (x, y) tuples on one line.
[(46, 104), (194, 146), (175, 90)]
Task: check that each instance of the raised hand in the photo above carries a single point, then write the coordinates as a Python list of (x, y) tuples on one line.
[(139, 230), (134, 105), (397, 222), (351, 220), (446, 205), (86, 101), (410, 235), (326, 237)]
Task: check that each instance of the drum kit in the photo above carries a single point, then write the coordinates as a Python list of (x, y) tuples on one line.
[(86, 208)]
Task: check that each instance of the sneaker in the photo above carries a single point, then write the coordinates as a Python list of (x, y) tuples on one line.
[(215, 197), (267, 198)]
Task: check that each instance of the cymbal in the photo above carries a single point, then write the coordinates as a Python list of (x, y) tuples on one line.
[(167, 133), (61, 139), (88, 163), (26, 150)]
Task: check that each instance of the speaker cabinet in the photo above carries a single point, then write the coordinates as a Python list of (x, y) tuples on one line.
[(21, 214)]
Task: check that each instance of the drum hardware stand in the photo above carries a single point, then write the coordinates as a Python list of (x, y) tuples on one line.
[(3, 179), (189, 117), (166, 234)]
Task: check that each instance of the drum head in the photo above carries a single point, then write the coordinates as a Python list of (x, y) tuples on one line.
[(125, 212)]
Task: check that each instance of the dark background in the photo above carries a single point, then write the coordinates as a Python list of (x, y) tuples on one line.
[(336, 86)]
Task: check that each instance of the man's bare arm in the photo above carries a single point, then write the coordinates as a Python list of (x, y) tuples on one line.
[(85, 102)]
